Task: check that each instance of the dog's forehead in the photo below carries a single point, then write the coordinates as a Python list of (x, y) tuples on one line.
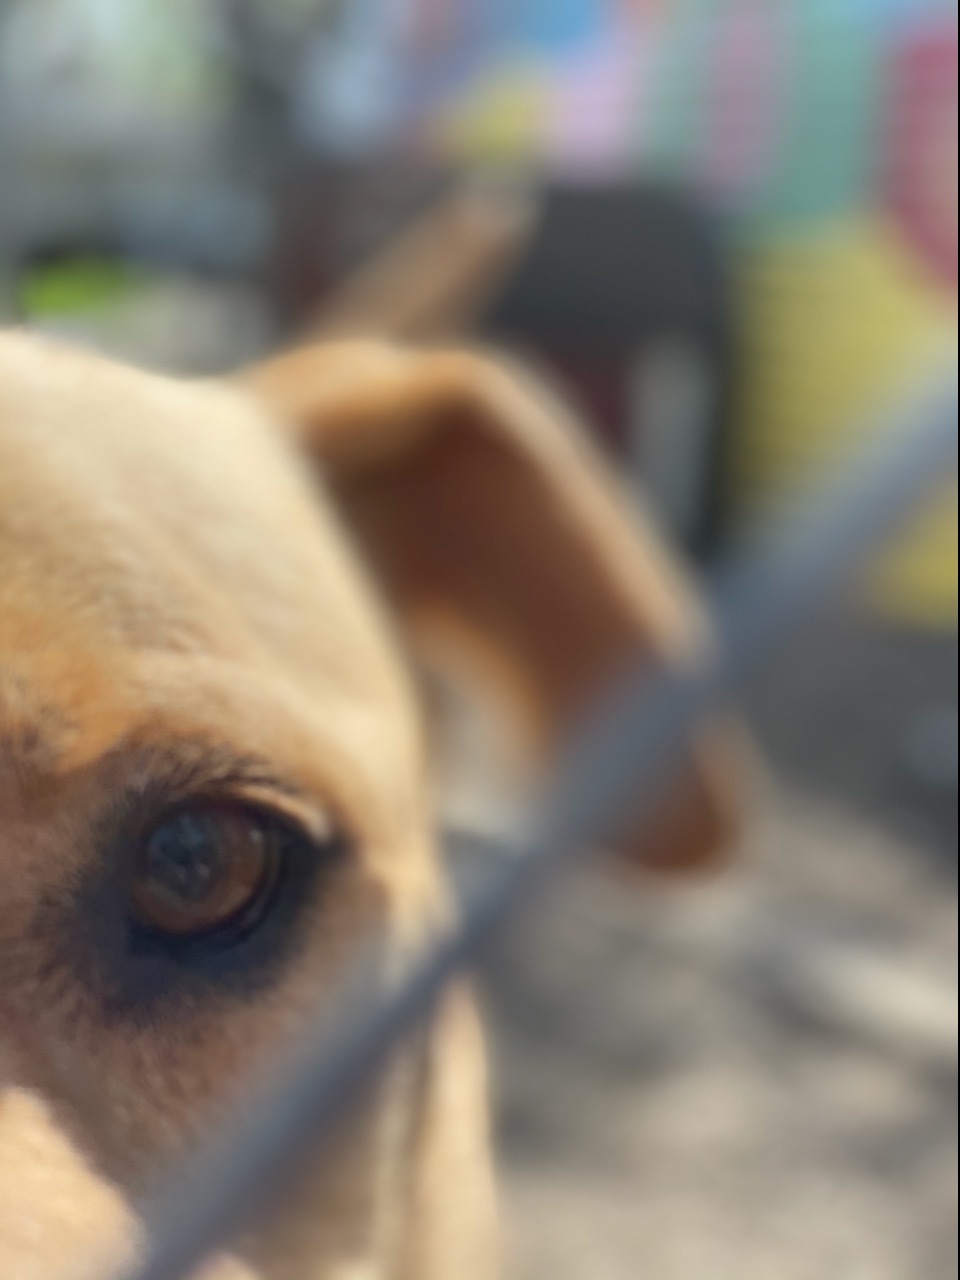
[(139, 514), (155, 504)]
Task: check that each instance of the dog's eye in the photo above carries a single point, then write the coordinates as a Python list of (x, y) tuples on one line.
[(207, 870)]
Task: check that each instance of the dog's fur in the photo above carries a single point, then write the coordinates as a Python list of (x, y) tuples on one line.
[(185, 604)]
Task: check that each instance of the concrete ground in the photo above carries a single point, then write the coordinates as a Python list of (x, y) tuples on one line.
[(755, 1080)]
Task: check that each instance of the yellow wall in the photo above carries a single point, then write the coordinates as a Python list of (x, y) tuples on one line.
[(835, 321)]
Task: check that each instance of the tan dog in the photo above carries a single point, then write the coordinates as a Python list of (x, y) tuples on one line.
[(214, 776)]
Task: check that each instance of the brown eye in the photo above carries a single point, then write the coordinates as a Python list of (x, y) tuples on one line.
[(207, 869)]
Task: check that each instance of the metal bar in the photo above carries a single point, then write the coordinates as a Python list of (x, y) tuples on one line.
[(609, 774)]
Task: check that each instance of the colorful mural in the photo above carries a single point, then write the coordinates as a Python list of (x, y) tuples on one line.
[(823, 133), (825, 136)]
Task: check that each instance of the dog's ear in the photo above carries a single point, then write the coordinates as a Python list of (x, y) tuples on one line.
[(502, 538)]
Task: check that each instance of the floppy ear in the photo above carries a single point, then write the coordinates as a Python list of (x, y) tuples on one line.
[(501, 538)]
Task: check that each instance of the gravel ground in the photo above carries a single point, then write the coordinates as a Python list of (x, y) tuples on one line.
[(754, 1080)]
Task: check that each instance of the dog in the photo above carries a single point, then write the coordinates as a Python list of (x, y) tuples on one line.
[(216, 598)]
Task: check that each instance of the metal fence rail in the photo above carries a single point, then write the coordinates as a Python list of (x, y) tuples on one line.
[(612, 771)]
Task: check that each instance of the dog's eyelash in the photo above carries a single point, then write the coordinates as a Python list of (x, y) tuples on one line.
[(163, 777), (175, 770)]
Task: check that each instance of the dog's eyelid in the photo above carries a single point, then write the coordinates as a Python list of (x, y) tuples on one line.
[(170, 777), (315, 820)]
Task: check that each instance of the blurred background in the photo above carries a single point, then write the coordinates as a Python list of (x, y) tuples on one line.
[(728, 230)]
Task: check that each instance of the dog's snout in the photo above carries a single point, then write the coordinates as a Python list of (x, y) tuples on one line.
[(59, 1219)]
